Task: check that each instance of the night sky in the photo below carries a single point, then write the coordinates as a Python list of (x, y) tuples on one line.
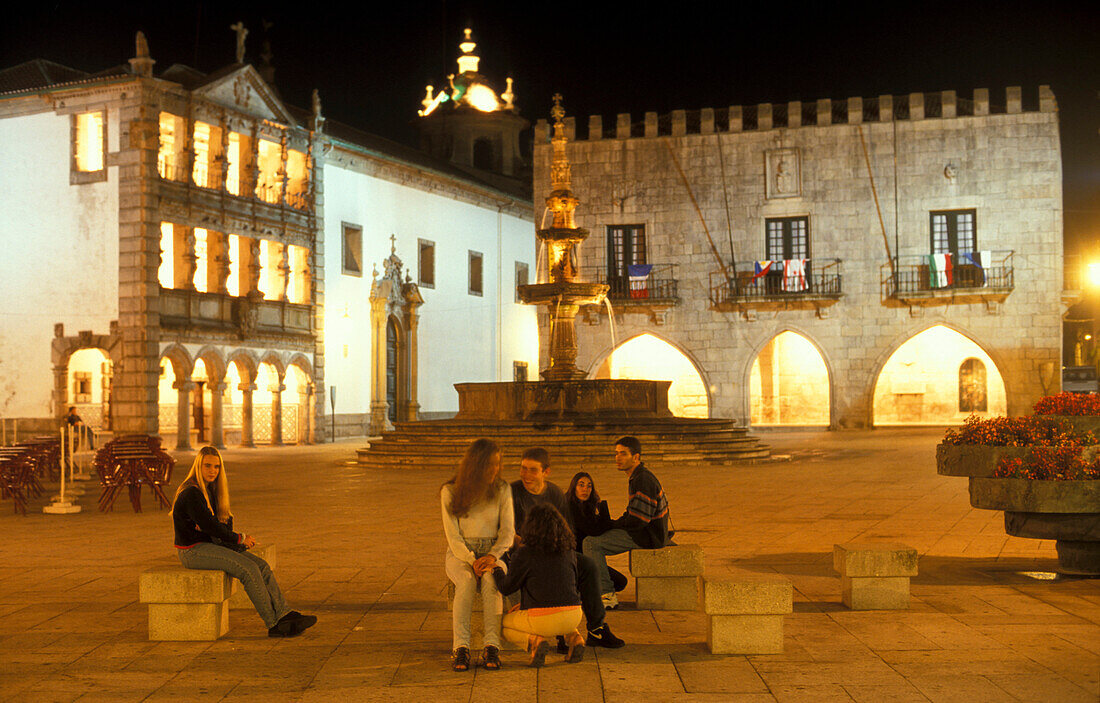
[(371, 66)]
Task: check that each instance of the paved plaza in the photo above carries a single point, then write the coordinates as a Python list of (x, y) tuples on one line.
[(363, 550)]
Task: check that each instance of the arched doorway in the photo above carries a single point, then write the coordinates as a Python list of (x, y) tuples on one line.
[(789, 383), (89, 385), (938, 377), (652, 358)]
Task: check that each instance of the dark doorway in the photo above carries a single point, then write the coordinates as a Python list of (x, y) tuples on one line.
[(391, 369)]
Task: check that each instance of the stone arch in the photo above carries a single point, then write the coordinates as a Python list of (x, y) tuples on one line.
[(829, 417), (302, 361), (912, 402), (244, 358), (239, 418), (306, 425), (214, 361), (182, 363), (62, 349), (273, 358), (688, 397)]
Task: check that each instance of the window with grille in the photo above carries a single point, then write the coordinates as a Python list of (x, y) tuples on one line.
[(954, 232), (626, 245), (787, 238)]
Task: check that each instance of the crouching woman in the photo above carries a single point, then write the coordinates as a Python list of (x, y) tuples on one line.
[(205, 540), (544, 571)]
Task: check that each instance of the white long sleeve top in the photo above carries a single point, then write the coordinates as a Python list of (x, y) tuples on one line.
[(489, 519)]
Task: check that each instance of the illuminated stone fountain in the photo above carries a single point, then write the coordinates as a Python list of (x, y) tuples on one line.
[(575, 418)]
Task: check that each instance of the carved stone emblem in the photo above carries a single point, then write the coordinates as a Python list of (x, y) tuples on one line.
[(783, 173)]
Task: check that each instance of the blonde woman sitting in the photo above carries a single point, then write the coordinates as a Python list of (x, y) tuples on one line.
[(205, 540)]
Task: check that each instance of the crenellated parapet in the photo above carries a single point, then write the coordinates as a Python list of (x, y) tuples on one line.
[(797, 114)]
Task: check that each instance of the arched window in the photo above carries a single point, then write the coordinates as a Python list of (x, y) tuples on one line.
[(972, 388)]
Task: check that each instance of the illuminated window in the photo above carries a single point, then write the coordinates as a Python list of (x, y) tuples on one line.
[(476, 284), (89, 142), (269, 186), (954, 232), (426, 264), (626, 245), (167, 255), (233, 165), (170, 154), (297, 178), (233, 251), (353, 250), (202, 260), (82, 387), (298, 285), (208, 145), (264, 284), (521, 277)]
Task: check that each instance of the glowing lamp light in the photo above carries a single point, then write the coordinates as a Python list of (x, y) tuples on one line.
[(483, 98), (1093, 274)]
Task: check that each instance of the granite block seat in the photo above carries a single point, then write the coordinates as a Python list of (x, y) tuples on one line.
[(667, 578), (875, 576), (186, 604), (239, 600), (745, 613)]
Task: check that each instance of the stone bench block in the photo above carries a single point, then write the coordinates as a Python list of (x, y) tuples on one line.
[(875, 576), (875, 593), (871, 559), (678, 561), (239, 600), (751, 594), (745, 634), (668, 592), (186, 604)]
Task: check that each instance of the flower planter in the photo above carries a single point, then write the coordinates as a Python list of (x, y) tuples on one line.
[(973, 459), (1065, 511), (1081, 423)]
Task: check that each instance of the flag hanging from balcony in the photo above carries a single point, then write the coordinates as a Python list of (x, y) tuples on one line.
[(984, 261), (761, 268), (940, 273), (639, 279), (794, 275)]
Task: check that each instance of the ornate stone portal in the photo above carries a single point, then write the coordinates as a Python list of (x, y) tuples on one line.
[(394, 318)]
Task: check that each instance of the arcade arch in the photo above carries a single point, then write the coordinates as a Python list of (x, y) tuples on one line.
[(789, 383), (649, 357), (88, 380), (936, 377)]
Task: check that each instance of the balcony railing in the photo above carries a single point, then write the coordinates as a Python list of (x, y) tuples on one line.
[(218, 312), (915, 276), (660, 286), (742, 285), (271, 193)]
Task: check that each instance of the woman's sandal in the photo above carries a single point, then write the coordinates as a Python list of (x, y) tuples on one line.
[(490, 658), (538, 647), (461, 660), (576, 648)]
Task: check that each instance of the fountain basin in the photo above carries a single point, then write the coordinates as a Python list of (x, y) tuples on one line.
[(595, 400), (570, 292)]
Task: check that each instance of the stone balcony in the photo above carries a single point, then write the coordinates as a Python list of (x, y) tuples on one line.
[(243, 316), (271, 204), (911, 282), (740, 289)]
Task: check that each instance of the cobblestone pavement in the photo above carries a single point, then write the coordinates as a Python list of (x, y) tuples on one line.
[(363, 550)]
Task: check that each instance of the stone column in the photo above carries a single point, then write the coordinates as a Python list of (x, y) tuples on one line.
[(378, 404), (252, 281), (563, 345), (311, 417), (412, 406), (217, 246), (277, 413), (185, 257), (183, 414), (60, 391), (246, 388), (282, 266), (305, 431), (217, 430)]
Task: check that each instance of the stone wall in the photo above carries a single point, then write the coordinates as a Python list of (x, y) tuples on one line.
[(917, 153)]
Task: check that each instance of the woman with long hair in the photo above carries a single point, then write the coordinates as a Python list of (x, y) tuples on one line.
[(589, 516), (478, 523), (544, 570), (205, 540)]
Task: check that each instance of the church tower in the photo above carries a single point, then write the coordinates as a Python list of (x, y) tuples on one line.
[(470, 125)]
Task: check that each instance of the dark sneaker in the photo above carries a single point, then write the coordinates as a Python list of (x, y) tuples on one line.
[(538, 655), (490, 658), (602, 637), (461, 661), (563, 648)]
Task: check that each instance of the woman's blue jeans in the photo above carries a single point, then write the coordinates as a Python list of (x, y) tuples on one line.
[(253, 573)]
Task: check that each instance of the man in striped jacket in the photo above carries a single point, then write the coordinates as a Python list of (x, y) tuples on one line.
[(644, 524)]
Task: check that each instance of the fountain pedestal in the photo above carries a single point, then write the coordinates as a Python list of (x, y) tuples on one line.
[(608, 400)]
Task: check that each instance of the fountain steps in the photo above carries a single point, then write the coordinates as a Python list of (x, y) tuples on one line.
[(439, 444)]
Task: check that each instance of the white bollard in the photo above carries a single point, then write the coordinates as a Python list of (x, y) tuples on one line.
[(60, 506)]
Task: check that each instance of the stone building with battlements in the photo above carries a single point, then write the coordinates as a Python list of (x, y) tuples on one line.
[(844, 263)]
